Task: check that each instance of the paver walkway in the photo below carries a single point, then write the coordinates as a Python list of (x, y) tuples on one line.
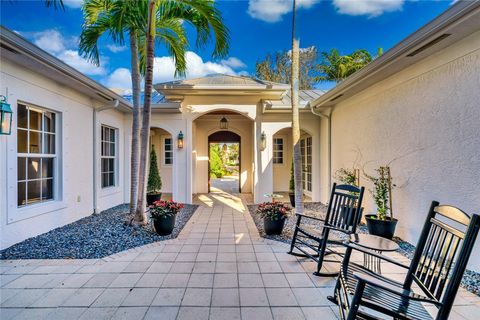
[(218, 268)]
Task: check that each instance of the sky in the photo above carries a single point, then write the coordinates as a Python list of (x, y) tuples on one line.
[(257, 27)]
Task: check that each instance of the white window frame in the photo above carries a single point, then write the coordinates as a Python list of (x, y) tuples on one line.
[(164, 164), (55, 156), (283, 138), (114, 157)]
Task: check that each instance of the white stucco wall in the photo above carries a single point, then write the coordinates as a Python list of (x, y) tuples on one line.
[(75, 152), (425, 120)]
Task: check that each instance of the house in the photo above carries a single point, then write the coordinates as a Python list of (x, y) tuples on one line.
[(416, 107)]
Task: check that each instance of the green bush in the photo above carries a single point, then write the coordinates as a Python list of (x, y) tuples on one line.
[(216, 165), (154, 184)]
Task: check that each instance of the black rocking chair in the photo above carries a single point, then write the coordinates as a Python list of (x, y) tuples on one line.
[(343, 215), (437, 267)]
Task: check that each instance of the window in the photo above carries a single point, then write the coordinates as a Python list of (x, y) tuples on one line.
[(167, 151), (278, 150), (306, 151), (108, 157), (36, 154)]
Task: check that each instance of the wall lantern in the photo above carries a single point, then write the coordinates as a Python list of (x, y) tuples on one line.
[(263, 141), (224, 124), (5, 116), (180, 140)]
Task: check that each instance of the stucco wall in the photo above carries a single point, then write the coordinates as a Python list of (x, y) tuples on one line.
[(75, 151), (205, 126), (425, 121)]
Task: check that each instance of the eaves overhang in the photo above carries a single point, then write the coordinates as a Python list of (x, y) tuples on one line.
[(20, 51), (459, 21)]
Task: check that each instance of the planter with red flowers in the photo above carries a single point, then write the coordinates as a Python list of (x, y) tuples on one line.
[(274, 215), (163, 214)]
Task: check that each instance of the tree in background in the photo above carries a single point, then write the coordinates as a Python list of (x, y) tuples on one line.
[(336, 67), (278, 67), (216, 164)]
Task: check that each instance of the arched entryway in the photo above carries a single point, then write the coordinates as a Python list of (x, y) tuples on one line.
[(209, 128), (230, 143)]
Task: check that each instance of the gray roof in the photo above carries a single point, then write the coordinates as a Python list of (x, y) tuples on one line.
[(304, 96), (222, 80)]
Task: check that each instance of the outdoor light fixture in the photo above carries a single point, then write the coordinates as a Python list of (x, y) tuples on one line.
[(224, 124), (5, 116), (180, 140), (263, 141)]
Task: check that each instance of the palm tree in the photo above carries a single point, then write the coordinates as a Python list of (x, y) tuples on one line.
[(335, 67), (297, 157), (204, 17), (114, 18)]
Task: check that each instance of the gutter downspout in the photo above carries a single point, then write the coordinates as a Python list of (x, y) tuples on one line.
[(327, 116), (112, 105)]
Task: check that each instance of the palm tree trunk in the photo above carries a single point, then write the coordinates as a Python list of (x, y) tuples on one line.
[(135, 155), (297, 157), (140, 216)]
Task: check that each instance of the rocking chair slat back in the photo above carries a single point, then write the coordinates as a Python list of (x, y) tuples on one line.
[(442, 253), (342, 207)]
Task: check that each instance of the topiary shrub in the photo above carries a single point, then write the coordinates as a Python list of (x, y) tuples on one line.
[(154, 184)]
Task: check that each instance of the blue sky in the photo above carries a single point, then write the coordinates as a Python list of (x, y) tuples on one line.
[(257, 27)]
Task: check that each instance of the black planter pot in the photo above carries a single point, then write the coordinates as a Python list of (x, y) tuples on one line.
[(152, 197), (164, 226), (273, 226), (381, 228), (292, 199)]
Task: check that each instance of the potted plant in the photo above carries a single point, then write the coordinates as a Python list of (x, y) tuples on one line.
[(383, 223), (274, 215), (291, 187), (154, 184), (163, 214), (347, 176)]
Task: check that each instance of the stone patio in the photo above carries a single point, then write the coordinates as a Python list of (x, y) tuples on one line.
[(218, 268)]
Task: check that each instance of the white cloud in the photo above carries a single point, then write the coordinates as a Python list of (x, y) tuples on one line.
[(164, 68), (64, 48), (164, 71), (233, 63), (273, 10), (113, 48), (120, 79), (73, 59), (371, 8), (50, 40)]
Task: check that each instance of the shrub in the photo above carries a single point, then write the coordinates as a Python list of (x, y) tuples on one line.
[(154, 184)]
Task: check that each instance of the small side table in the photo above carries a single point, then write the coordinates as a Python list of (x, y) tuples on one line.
[(273, 196), (374, 243)]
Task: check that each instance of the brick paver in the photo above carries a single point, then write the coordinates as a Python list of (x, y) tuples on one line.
[(218, 268)]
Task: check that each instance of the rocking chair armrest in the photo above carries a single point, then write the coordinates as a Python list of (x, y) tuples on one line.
[(378, 282), (309, 217), (375, 254)]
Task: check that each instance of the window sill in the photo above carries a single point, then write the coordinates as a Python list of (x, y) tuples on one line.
[(108, 191), (34, 210)]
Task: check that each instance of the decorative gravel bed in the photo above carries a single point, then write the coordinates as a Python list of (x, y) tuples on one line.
[(93, 237), (470, 281)]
